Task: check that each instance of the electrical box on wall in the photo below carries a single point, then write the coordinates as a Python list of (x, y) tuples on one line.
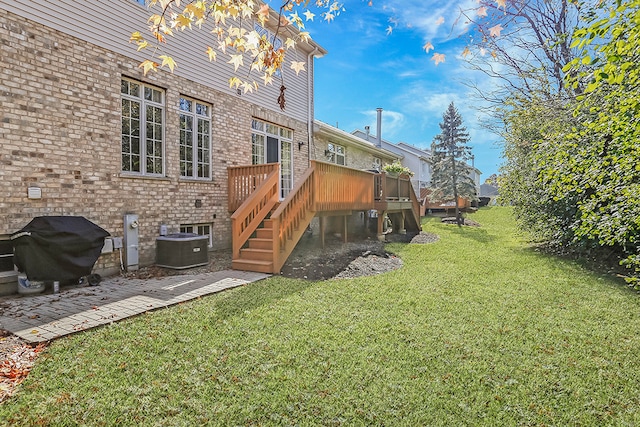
[(117, 242), (108, 246)]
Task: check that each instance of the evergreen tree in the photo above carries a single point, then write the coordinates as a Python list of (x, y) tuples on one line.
[(452, 176)]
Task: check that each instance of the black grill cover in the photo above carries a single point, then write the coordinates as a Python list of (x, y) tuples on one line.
[(57, 247)]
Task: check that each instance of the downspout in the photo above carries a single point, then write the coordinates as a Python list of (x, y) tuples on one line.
[(310, 112)]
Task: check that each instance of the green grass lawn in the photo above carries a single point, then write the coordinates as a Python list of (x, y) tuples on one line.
[(476, 329)]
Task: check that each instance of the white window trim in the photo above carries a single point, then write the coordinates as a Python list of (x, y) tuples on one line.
[(194, 229), (196, 117), (332, 153), (282, 134), (143, 129)]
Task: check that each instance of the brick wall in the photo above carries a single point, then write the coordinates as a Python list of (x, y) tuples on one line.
[(356, 158), (60, 130)]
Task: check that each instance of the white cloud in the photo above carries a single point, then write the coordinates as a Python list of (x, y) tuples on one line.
[(424, 16)]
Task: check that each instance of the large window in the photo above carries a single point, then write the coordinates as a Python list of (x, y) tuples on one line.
[(142, 128), (195, 139), (200, 230), (336, 154)]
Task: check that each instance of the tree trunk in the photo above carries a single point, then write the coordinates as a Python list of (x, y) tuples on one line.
[(455, 188)]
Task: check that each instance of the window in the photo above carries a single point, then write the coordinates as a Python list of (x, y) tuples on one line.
[(6, 255), (273, 144), (336, 154), (142, 128), (200, 230), (195, 139)]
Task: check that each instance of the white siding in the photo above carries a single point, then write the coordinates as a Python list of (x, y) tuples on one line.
[(109, 24)]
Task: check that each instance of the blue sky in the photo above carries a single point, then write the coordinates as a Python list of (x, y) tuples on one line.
[(366, 68)]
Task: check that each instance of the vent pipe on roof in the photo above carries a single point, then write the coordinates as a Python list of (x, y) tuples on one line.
[(379, 128), (367, 130)]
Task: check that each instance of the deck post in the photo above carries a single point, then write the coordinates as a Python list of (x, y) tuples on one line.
[(401, 228), (344, 231), (381, 236)]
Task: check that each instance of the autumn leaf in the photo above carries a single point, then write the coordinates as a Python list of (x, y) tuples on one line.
[(168, 61), (142, 45), (495, 30), (235, 82), (182, 22), (290, 43), (297, 66), (502, 4), (267, 79), (466, 52), (440, 21), (148, 65), (309, 15), (248, 86), (427, 47), (136, 37), (482, 11), (438, 58), (263, 13), (389, 30), (304, 36), (236, 60), (211, 53)]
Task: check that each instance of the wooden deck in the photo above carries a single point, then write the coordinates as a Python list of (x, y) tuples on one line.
[(265, 230)]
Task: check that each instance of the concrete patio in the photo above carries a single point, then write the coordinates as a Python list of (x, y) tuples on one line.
[(43, 317)]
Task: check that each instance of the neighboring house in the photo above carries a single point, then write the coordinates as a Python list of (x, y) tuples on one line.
[(416, 159), (336, 146), (488, 190), (84, 133)]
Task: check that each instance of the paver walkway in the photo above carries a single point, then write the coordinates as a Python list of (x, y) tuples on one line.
[(38, 318)]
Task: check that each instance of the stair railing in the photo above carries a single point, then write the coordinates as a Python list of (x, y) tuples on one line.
[(292, 217), (256, 205)]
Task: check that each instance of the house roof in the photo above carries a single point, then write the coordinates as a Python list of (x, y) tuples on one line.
[(310, 45), (402, 146), (329, 131), (488, 190)]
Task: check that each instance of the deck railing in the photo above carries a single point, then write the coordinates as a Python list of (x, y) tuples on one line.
[(255, 209), (338, 188), (324, 187), (244, 180), (388, 187)]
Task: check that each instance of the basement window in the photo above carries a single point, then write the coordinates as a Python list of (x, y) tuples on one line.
[(200, 230)]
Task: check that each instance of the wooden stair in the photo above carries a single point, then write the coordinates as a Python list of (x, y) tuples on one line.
[(265, 229), (257, 255)]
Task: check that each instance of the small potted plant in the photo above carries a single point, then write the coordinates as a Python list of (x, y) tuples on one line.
[(396, 169)]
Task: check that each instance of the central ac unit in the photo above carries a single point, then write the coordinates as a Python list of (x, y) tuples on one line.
[(182, 250)]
